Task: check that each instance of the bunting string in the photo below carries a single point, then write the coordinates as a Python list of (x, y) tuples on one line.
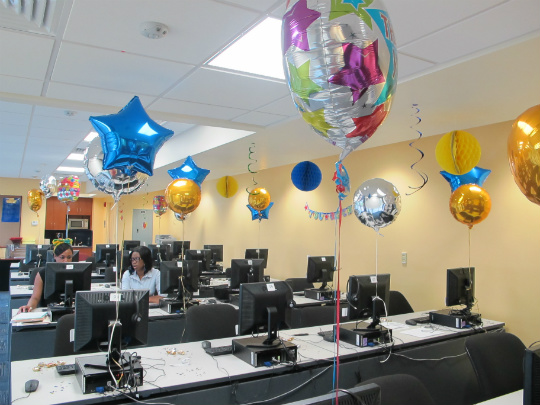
[(328, 216)]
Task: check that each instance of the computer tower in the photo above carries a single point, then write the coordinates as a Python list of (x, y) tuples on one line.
[(531, 381)]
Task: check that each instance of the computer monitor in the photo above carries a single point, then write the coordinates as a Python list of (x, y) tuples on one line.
[(122, 260), (66, 279), (131, 244), (258, 254), (96, 313), (262, 308), (320, 269), (246, 271), (36, 254), (160, 253), (460, 287), (106, 254), (369, 394), (179, 279), (361, 290), (217, 253), (531, 365), (203, 256), (178, 248)]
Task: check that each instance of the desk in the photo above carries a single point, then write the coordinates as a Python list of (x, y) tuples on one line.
[(196, 378), (514, 398)]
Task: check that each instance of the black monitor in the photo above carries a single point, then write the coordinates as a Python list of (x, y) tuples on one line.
[(178, 248), (263, 307), (131, 244), (369, 394), (361, 291), (460, 287), (66, 279), (36, 254), (258, 254), (320, 269), (106, 254), (246, 271), (217, 253), (95, 316), (122, 260), (179, 279), (531, 365), (203, 256), (160, 253)]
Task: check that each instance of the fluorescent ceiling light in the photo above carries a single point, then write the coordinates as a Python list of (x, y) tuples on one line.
[(70, 169), (75, 156), (91, 136), (258, 51)]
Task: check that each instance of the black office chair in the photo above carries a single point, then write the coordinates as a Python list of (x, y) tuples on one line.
[(62, 344), (110, 275), (401, 389), (299, 284), (302, 317), (210, 321), (398, 304), (497, 360)]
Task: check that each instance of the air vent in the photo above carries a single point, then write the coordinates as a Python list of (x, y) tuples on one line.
[(79, 150), (37, 16)]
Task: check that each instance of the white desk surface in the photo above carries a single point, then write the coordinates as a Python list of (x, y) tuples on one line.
[(187, 365), (26, 290), (514, 398)]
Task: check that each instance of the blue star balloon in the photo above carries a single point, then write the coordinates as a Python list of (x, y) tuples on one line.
[(189, 170), (476, 176), (130, 139), (260, 215)]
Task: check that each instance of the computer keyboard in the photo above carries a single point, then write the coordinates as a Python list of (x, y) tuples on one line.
[(218, 351)]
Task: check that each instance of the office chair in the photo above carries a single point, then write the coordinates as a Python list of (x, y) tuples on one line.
[(401, 389), (299, 284), (497, 360), (398, 304), (62, 344), (110, 275), (302, 317), (210, 321)]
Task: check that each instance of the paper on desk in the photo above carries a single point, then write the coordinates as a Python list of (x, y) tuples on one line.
[(394, 325), (30, 317), (421, 332)]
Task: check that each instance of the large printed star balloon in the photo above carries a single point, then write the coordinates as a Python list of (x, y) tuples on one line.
[(130, 139), (189, 170), (301, 82), (296, 21), (260, 215)]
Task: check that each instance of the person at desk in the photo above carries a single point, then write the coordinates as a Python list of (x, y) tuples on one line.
[(140, 275), (63, 253)]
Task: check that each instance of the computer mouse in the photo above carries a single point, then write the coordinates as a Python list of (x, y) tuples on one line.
[(410, 322), (206, 344), (107, 286), (31, 385), (212, 301)]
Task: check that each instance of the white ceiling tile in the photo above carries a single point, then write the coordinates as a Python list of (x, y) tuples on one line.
[(197, 109), (19, 108), (409, 66), (19, 85), (24, 55), (283, 106), (260, 118)]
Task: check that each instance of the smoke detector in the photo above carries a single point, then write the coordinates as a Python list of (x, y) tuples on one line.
[(154, 30)]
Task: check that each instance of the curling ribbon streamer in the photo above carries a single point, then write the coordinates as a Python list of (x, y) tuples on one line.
[(423, 175), (253, 161), (328, 216)]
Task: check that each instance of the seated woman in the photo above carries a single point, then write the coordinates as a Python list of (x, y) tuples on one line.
[(63, 252), (140, 275)]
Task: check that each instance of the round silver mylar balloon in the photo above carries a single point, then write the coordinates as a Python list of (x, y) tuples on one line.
[(114, 181), (48, 185), (377, 203)]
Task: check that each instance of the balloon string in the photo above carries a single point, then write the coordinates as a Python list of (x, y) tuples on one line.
[(423, 175), (251, 152), (338, 295)]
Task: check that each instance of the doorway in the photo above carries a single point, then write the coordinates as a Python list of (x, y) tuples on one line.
[(142, 226)]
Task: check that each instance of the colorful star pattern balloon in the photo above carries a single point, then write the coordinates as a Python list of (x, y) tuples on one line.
[(189, 170), (301, 83), (130, 139), (341, 8), (317, 121), (296, 21), (366, 126)]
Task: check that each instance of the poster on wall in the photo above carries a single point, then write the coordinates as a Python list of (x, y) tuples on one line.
[(11, 209)]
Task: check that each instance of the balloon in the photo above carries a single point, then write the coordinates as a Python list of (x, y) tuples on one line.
[(458, 152), (340, 62), (470, 204), (227, 186), (48, 186), (341, 178), (524, 153), (189, 170), (159, 205), (377, 203), (69, 189), (35, 199), (180, 217), (114, 181), (259, 198), (476, 176), (260, 215), (306, 176), (130, 139), (183, 196)]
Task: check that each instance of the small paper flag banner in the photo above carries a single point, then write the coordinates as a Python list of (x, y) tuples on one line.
[(328, 216)]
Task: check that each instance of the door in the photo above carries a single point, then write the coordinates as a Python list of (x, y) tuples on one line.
[(142, 226)]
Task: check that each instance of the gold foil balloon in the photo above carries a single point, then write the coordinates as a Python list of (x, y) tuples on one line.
[(470, 204), (227, 186), (524, 153), (259, 199), (458, 152), (183, 196), (35, 199)]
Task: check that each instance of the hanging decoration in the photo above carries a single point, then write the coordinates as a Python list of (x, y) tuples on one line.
[(227, 186), (253, 161), (69, 189), (340, 62), (476, 176), (35, 199), (422, 175), (259, 199), (377, 203), (48, 186), (130, 139), (458, 152), (524, 153), (189, 170), (183, 196), (159, 205), (470, 204), (328, 216), (306, 176), (341, 178), (260, 214)]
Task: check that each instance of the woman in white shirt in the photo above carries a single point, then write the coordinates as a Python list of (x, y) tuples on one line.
[(140, 275)]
